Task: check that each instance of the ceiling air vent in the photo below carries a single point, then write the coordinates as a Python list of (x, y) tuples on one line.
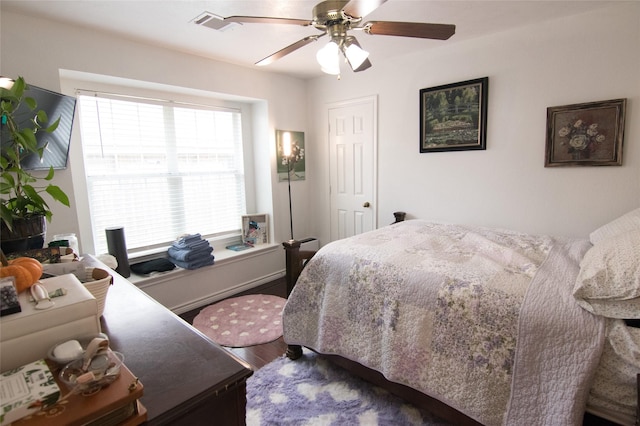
[(210, 20)]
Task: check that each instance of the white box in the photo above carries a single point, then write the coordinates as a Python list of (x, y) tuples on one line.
[(26, 390), (27, 336)]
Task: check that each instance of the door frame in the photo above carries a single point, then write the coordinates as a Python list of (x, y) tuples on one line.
[(372, 99)]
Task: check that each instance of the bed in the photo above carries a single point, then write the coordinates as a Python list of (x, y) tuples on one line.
[(481, 326)]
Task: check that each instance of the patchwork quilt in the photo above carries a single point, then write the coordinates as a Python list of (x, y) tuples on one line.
[(445, 308)]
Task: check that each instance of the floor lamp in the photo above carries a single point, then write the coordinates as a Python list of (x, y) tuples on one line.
[(287, 152)]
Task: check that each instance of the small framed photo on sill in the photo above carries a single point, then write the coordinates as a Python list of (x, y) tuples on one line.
[(255, 229)]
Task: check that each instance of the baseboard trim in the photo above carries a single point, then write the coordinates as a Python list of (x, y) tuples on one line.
[(215, 297)]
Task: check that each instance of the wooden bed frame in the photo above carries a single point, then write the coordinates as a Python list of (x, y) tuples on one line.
[(296, 259)]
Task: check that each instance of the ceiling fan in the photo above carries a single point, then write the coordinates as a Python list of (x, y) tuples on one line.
[(335, 18)]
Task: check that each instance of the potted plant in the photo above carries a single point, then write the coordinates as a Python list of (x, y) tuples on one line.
[(23, 210)]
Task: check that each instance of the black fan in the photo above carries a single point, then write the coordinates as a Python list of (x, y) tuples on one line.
[(336, 18)]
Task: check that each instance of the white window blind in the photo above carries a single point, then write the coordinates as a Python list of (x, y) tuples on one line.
[(161, 169)]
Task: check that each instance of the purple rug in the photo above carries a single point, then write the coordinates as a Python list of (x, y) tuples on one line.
[(242, 321), (313, 391)]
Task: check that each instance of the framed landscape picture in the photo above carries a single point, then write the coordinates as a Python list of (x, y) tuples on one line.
[(587, 134), (453, 117)]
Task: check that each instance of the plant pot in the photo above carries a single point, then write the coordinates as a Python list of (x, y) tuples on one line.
[(28, 233)]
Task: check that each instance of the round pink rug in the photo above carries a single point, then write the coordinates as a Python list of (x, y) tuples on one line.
[(242, 321)]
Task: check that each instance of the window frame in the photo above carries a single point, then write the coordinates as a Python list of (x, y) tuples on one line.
[(175, 95)]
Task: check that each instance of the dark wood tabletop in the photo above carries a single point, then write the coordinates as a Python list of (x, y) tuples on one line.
[(182, 371)]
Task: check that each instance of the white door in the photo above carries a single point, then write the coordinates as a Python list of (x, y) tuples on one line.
[(352, 165)]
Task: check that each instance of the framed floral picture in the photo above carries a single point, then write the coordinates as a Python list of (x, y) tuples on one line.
[(588, 134)]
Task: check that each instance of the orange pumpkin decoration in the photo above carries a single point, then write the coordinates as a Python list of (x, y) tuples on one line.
[(31, 264), (25, 270)]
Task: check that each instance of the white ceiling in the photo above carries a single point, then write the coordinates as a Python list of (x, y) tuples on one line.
[(169, 23)]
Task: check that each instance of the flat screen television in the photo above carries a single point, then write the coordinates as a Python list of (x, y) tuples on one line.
[(57, 142)]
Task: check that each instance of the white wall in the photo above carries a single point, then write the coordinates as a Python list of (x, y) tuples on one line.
[(588, 57), (41, 50)]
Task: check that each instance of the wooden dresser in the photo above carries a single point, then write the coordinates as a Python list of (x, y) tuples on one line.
[(188, 379)]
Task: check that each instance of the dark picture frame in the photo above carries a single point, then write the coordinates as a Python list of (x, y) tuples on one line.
[(586, 134), (453, 117)]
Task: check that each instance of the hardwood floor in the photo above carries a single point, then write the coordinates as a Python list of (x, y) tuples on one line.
[(259, 355)]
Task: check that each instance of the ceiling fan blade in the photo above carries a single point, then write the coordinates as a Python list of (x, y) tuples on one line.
[(410, 29), (292, 47), (267, 20), (360, 8)]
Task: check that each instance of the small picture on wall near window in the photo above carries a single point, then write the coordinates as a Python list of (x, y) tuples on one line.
[(290, 155), (453, 117), (588, 134), (255, 229)]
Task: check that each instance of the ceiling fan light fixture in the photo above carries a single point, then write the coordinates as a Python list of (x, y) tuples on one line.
[(355, 55), (336, 18), (329, 58)]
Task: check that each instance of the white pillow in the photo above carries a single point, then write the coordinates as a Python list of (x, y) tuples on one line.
[(608, 283), (625, 223)]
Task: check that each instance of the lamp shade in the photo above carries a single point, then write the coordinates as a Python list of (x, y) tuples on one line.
[(355, 55), (329, 58)]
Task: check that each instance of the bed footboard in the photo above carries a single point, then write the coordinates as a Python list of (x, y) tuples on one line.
[(294, 352), (295, 261)]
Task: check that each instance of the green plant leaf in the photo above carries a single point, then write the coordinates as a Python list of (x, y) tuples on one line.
[(53, 126), (40, 119), (6, 215), (31, 103), (29, 140), (35, 200), (50, 174), (58, 194), (18, 87), (7, 183)]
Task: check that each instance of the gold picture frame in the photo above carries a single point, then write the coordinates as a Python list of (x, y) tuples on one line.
[(586, 134)]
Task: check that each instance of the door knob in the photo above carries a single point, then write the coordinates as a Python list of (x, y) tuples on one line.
[(366, 204)]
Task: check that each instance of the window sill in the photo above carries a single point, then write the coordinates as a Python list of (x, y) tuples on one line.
[(222, 256)]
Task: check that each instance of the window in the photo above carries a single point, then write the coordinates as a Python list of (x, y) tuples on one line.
[(161, 169)]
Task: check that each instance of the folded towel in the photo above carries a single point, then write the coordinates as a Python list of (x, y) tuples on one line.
[(188, 238), (186, 255), (194, 264), (190, 245)]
